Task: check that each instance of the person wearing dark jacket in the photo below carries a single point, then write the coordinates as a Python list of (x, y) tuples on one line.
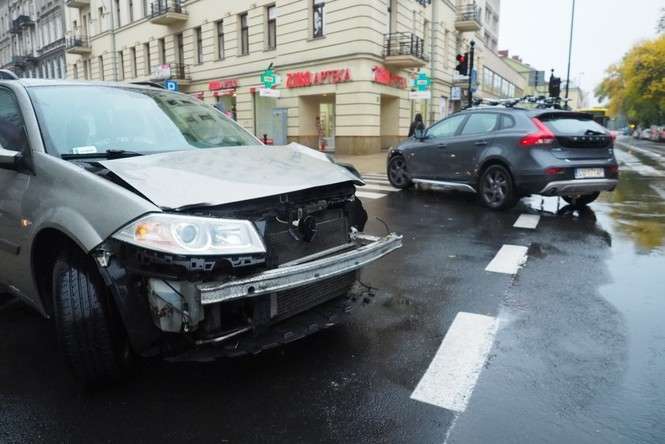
[(416, 124)]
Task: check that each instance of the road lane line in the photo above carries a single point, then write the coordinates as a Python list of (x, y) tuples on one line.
[(454, 371), (370, 195), (508, 260), (373, 187), (529, 221)]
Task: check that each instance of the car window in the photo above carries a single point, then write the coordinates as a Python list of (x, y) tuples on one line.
[(12, 128), (574, 125), (507, 122), (447, 127), (143, 120), (480, 123)]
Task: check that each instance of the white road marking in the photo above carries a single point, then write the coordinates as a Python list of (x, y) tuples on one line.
[(375, 176), (529, 221), (370, 195), (452, 375), (377, 181), (660, 191), (373, 187), (508, 260)]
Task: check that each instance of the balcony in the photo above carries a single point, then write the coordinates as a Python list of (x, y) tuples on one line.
[(78, 45), (404, 50), (171, 71), (22, 22), (468, 18), (167, 12), (19, 61), (77, 3)]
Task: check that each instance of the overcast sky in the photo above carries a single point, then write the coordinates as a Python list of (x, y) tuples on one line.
[(604, 31)]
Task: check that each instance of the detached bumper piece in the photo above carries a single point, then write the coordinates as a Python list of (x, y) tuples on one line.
[(318, 267), (579, 186)]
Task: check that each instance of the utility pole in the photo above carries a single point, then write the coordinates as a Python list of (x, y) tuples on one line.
[(472, 52), (570, 52)]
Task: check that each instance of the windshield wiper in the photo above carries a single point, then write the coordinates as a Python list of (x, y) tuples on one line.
[(591, 132), (108, 154)]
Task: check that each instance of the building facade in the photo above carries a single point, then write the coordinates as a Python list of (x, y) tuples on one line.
[(32, 38), (345, 66)]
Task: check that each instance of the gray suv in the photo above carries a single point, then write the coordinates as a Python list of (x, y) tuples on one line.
[(504, 153), (147, 223)]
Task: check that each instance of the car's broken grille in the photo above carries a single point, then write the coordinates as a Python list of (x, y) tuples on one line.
[(291, 302), (282, 239)]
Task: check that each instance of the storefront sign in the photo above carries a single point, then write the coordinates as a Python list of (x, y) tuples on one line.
[(224, 92), (385, 77), (171, 85), (268, 78), (306, 78), (420, 95), (161, 72), (216, 85), (267, 92)]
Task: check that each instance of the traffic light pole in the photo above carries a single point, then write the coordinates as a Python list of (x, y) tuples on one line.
[(570, 52), (471, 60)]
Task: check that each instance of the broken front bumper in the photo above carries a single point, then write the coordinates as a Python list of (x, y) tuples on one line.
[(327, 264)]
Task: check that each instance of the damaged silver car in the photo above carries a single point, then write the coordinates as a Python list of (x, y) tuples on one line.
[(146, 223)]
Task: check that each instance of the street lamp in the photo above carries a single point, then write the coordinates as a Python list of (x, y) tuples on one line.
[(570, 50)]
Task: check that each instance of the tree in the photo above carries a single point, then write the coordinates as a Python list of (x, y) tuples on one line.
[(660, 28), (636, 85)]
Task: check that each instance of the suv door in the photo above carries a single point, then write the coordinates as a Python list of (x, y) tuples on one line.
[(430, 160), (12, 188), (476, 134)]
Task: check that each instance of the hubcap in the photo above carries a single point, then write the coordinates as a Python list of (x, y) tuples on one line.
[(495, 187), (398, 171)]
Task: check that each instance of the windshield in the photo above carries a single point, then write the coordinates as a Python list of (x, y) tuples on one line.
[(93, 119)]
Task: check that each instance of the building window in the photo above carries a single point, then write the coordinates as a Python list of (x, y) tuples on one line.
[(220, 39), (100, 20), (117, 12), (121, 60), (85, 69), (100, 63), (198, 37), (161, 47), (131, 11), (272, 27), (180, 47), (132, 54), (146, 58), (318, 18), (244, 34), (146, 12)]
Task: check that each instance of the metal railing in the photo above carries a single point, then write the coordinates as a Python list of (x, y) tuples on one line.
[(179, 71), (167, 71), (161, 7), (469, 12), (19, 60), (404, 43), (77, 42)]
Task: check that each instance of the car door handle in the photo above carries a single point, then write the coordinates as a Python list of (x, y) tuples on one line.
[(481, 143), (442, 146)]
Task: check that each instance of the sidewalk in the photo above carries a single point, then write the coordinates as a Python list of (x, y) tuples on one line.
[(369, 163)]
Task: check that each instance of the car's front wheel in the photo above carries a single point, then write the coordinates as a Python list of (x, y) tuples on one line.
[(89, 332), (496, 188), (582, 200), (397, 172)]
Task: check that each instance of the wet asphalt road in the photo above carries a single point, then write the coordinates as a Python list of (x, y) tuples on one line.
[(579, 355)]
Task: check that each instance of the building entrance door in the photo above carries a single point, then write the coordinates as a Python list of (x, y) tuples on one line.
[(327, 126), (280, 125)]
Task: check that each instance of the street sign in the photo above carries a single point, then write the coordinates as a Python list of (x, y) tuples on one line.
[(268, 78), (420, 95), (422, 81), (267, 92), (474, 81), (456, 93), (171, 85), (161, 72)]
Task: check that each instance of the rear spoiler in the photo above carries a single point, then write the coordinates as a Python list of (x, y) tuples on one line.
[(550, 114)]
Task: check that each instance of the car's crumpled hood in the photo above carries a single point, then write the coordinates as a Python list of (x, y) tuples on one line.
[(220, 176)]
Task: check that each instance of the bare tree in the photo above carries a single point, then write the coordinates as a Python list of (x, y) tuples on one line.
[(661, 22)]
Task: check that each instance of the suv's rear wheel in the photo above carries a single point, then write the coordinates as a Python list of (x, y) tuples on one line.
[(397, 173), (582, 200), (496, 188), (90, 334)]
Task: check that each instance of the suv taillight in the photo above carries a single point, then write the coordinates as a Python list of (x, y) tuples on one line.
[(541, 137)]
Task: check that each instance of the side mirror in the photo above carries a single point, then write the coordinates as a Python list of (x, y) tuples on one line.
[(10, 160), (419, 133)]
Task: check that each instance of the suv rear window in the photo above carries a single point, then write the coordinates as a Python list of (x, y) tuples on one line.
[(578, 126)]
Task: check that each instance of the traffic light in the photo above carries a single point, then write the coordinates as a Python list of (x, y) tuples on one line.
[(555, 86), (462, 64)]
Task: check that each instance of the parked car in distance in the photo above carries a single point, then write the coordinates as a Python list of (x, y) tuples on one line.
[(156, 226), (657, 133), (503, 154), (645, 134)]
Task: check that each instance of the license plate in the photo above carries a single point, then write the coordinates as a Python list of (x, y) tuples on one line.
[(589, 173)]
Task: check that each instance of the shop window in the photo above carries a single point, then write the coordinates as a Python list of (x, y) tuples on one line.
[(198, 36), (318, 18), (272, 27), (244, 34), (220, 40)]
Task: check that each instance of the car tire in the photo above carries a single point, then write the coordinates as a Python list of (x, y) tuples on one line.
[(89, 331), (581, 201), (398, 175), (496, 188)]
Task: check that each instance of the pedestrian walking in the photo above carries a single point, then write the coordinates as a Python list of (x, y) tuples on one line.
[(416, 124)]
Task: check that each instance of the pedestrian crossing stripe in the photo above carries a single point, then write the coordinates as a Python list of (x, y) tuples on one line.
[(377, 181), (370, 195), (374, 187)]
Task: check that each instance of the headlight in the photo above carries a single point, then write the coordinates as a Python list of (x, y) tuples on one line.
[(186, 235)]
